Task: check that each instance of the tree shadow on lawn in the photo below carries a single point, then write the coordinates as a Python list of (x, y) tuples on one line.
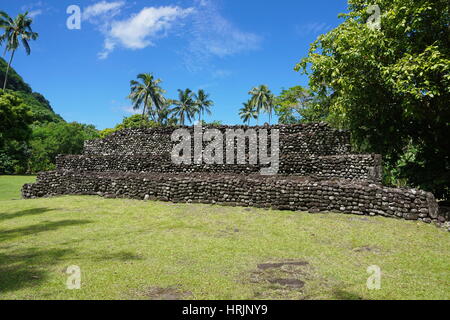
[(27, 267), (38, 228), (123, 256), (342, 294), (23, 213)]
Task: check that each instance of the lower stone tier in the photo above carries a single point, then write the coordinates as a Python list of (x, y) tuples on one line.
[(353, 167), (277, 192)]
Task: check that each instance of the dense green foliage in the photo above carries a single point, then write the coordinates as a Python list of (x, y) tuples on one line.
[(391, 86), (15, 132), (53, 139), (134, 121), (300, 105)]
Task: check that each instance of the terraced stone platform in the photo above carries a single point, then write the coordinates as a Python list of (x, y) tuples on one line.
[(317, 172)]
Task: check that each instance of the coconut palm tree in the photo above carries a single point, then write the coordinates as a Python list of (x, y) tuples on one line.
[(203, 104), (185, 107), (165, 114), (17, 31), (148, 94), (262, 100), (247, 113)]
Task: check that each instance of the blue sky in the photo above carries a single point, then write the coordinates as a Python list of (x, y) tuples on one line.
[(223, 46)]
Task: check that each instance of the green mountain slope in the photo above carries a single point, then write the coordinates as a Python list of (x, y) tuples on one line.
[(41, 108)]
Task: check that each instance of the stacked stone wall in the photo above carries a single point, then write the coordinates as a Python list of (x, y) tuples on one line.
[(318, 172), (277, 192), (353, 167)]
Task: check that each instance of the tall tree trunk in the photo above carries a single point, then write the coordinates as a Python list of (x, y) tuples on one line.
[(7, 69), (143, 111)]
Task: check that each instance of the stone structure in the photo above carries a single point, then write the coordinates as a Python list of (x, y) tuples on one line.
[(318, 172)]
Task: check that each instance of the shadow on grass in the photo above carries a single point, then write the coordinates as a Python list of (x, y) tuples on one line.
[(118, 256), (341, 294), (23, 213), (38, 228), (31, 267), (28, 267)]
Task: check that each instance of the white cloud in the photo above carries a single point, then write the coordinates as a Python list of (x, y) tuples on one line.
[(28, 7), (215, 36), (313, 28), (208, 33), (130, 110), (221, 73), (127, 109), (33, 14), (36, 9), (141, 29), (102, 8)]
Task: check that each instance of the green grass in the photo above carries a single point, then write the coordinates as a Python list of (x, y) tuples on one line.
[(130, 249), (10, 186)]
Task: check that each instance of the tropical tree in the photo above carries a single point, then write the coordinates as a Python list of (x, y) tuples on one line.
[(248, 113), (51, 139), (300, 105), (165, 114), (203, 103), (185, 107), (15, 133), (262, 100), (16, 31), (147, 94), (389, 84)]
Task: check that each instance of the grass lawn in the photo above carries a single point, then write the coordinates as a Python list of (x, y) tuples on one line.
[(130, 249), (10, 186)]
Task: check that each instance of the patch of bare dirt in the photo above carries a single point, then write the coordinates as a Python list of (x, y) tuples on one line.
[(293, 283), (284, 280), (266, 266), (171, 294), (367, 249)]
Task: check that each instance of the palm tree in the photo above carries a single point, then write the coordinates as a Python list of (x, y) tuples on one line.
[(247, 113), (262, 100), (185, 107), (165, 114), (147, 94), (15, 30), (203, 104)]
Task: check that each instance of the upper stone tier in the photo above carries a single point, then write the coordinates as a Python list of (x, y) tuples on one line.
[(302, 140)]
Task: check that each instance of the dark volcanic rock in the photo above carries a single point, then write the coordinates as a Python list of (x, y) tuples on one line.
[(318, 173)]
